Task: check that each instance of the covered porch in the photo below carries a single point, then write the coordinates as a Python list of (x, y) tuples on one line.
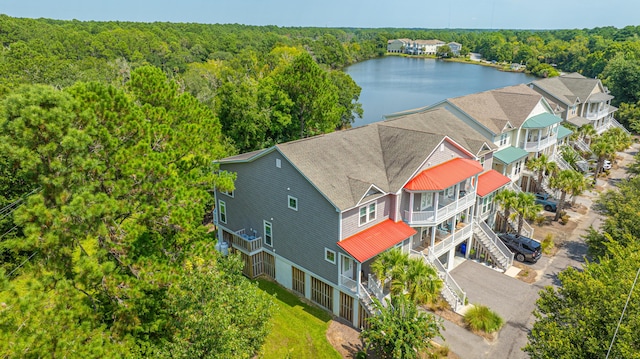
[(361, 250), (510, 162)]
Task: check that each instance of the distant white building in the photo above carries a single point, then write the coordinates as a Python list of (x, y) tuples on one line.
[(455, 47)]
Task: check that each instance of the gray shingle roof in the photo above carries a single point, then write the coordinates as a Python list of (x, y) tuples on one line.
[(344, 164), (494, 109), (568, 88)]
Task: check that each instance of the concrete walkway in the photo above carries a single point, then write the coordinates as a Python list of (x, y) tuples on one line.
[(515, 300)]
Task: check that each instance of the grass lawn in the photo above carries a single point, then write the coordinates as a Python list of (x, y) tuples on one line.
[(298, 330)]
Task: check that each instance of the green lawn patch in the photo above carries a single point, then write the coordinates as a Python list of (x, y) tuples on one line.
[(298, 330)]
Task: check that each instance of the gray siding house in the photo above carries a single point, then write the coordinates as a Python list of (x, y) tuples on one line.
[(519, 121), (582, 100), (313, 214)]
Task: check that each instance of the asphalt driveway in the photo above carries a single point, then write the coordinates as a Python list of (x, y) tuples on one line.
[(512, 299)]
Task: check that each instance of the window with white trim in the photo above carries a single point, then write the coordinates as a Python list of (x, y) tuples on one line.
[(293, 203), (329, 255), (518, 167), (487, 203), (230, 194), (503, 139), (426, 200), (448, 192), (278, 163), (268, 234), (481, 160), (222, 211), (367, 213)]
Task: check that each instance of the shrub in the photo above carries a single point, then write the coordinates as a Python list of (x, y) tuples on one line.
[(548, 244), (481, 318), (438, 304), (564, 218), (540, 219), (439, 351)]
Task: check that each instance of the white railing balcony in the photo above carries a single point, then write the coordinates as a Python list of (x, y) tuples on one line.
[(348, 283), (453, 239), (246, 243), (442, 213), (539, 145), (594, 115)]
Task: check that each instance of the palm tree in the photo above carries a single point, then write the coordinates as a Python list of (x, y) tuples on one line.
[(587, 131), (570, 156), (505, 199), (389, 264), (541, 165), (603, 147), (578, 185), (563, 182), (419, 281), (525, 207), (621, 139)]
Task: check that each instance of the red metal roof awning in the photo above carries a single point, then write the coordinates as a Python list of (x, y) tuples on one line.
[(377, 239), (490, 181), (444, 175)]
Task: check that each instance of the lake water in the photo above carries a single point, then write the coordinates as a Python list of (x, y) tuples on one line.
[(392, 84)]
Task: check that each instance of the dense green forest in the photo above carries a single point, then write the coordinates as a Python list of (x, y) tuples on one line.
[(108, 132)]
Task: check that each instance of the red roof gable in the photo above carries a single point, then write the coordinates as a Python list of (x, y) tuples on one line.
[(377, 239), (444, 175), (490, 181)]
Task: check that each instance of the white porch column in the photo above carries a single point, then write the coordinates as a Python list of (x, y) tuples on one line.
[(356, 312), (410, 219), (450, 257), (469, 244), (433, 236), (359, 279), (435, 205), (336, 301)]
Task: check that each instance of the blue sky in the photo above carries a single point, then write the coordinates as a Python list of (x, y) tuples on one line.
[(477, 14)]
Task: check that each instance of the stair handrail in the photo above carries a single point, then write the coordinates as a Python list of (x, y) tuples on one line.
[(615, 123), (365, 296), (493, 238), (557, 158)]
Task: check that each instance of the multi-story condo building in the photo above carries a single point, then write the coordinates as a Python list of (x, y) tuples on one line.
[(581, 100), (313, 214), (519, 121)]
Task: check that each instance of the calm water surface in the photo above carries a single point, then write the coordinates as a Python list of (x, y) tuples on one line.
[(393, 84)]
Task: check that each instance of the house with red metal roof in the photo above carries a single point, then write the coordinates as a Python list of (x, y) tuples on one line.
[(313, 214)]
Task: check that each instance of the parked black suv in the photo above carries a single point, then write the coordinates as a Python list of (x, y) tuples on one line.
[(524, 248)]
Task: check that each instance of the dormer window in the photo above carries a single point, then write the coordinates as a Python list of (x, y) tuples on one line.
[(503, 139)]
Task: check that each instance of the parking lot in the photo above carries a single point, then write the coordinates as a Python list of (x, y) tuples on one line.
[(513, 299)]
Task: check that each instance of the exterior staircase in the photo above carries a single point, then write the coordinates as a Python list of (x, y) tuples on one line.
[(614, 123), (547, 189), (366, 299), (498, 251), (451, 291), (581, 145), (562, 164)]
